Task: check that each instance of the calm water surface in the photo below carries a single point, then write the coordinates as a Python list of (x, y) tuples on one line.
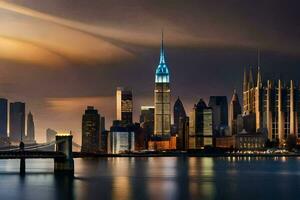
[(155, 178)]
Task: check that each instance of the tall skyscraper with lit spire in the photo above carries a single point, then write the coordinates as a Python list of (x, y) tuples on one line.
[(162, 116)]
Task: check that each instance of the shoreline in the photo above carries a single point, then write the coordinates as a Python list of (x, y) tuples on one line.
[(80, 155)]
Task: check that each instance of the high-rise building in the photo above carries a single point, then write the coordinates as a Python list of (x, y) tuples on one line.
[(219, 106), (200, 130), (30, 138), (180, 125), (147, 122), (162, 139), (103, 135), (90, 130), (121, 138), (234, 111), (182, 141), (3, 118), (179, 113), (273, 106), (17, 121), (102, 124), (124, 105), (162, 116)]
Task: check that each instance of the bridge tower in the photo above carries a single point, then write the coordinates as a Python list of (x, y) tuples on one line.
[(64, 145)]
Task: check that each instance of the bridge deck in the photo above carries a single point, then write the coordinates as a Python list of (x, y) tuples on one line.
[(30, 154)]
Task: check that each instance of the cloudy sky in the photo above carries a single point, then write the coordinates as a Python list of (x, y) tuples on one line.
[(59, 56)]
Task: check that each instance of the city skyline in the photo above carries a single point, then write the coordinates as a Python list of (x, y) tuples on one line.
[(60, 87)]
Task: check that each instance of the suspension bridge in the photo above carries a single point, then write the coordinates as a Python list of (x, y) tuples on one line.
[(63, 155)]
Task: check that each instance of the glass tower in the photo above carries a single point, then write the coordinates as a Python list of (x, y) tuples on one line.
[(124, 105), (162, 116)]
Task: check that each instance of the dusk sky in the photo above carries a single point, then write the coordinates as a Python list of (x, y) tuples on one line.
[(59, 56)]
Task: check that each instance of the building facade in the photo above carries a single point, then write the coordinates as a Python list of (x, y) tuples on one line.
[(124, 105), (91, 137), (3, 118), (30, 137), (17, 121), (234, 111), (162, 100), (147, 122), (162, 116), (178, 113), (275, 106), (200, 126), (219, 106), (121, 138), (242, 141), (180, 125)]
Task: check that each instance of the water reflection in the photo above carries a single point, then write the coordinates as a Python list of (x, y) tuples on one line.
[(155, 178), (64, 186)]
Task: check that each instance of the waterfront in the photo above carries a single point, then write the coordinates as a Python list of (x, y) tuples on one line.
[(155, 178)]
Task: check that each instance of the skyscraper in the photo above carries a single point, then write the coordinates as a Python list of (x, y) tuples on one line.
[(201, 130), (273, 106), (180, 125), (147, 122), (179, 113), (102, 124), (147, 118), (124, 105), (219, 106), (30, 128), (3, 118), (17, 121), (162, 138), (234, 111), (103, 135), (121, 138), (162, 116), (90, 130)]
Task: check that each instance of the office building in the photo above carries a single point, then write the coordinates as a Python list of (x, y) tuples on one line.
[(90, 130), (180, 125), (178, 113), (17, 121), (30, 137), (140, 138), (219, 106), (104, 138), (273, 106), (102, 124), (200, 126), (147, 121), (3, 118), (234, 110), (242, 141), (182, 137), (162, 112), (124, 105), (121, 138)]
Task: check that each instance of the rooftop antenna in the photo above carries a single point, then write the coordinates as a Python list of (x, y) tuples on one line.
[(258, 58)]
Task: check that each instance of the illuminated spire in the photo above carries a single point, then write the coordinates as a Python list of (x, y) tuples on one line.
[(259, 79), (162, 53), (245, 85), (162, 71)]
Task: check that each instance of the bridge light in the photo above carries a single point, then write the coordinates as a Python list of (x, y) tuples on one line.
[(64, 133)]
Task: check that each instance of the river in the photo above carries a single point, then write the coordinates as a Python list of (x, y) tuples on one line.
[(154, 178)]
